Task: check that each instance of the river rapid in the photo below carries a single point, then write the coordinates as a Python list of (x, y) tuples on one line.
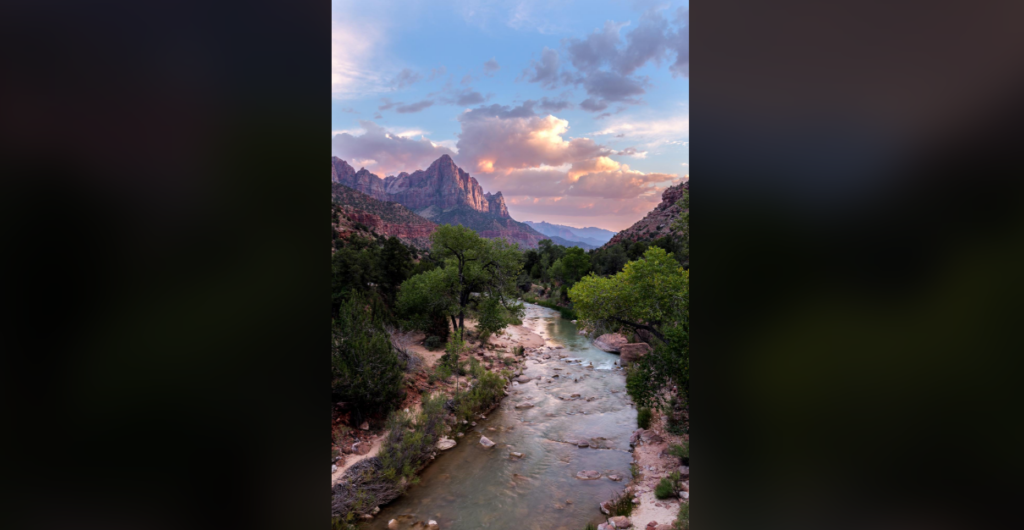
[(471, 487)]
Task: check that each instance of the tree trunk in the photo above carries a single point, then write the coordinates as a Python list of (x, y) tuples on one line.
[(462, 323)]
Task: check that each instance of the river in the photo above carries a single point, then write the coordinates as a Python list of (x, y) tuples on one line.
[(471, 487)]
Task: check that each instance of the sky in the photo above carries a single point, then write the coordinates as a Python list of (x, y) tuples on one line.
[(577, 111)]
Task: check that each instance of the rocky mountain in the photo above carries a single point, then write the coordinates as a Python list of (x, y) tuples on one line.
[(357, 210), (659, 221), (591, 236), (442, 193)]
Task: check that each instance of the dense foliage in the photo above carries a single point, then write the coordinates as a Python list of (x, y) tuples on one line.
[(473, 270), (367, 370)]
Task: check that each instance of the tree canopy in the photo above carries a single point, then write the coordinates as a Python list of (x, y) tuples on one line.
[(469, 264), (650, 294)]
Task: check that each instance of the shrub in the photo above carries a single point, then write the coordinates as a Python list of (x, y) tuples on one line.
[(665, 489), (622, 505), (634, 470), (643, 418), (433, 342), (507, 361), (590, 526), (682, 452), (366, 369), (518, 351)]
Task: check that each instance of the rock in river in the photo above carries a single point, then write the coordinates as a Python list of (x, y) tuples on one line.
[(588, 475), (486, 442), (620, 521), (526, 405), (611, 342), (445, 444)]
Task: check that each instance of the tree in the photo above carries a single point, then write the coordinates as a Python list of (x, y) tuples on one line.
[(470, 264), (650, 294), (367, 373)]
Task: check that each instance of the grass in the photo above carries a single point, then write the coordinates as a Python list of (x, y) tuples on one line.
[(634, 470), (643, 418), (590, 526), (682, 521)]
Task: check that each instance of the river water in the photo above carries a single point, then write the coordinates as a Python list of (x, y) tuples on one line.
[(470, 487)]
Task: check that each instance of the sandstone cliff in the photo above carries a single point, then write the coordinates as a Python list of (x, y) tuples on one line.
[(357, 210)]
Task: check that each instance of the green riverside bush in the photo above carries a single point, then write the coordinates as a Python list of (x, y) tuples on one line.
[(643, 418)]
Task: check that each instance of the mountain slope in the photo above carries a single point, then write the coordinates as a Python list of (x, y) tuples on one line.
[(658, 222), (382, 217)]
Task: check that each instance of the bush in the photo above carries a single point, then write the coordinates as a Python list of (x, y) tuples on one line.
[(682, 452), (643, 418), (518, 351), (366, 370), (433, 342), (665, 489), (622, 505), (590, 526), (634, 470)]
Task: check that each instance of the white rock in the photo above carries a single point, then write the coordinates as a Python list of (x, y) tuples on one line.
[(445, 444), (684, 495), (486, 442), (333, 468), (392, 525), (431, 524)]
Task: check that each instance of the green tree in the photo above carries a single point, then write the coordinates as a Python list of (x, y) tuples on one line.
[(367, 373), (471, 264), (650, 294)]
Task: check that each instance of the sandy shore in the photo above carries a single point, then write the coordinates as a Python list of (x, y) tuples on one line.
[(655, 463)]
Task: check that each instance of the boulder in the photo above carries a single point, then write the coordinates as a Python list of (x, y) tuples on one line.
[(606, 507), (486, 442), (365, 426), (393, 524), (620, 521), (523, 379), (684, 495), (605, 526), (583, 443), (445, 444), (610, 342), (526, 405), (631, 352), (334, 468), (516, 455), (684, 471), (684, 486), (616, 478), (432, 524), (588, 475), (360, 448)]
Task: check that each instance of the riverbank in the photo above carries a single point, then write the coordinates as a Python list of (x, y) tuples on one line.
[(653, 462)]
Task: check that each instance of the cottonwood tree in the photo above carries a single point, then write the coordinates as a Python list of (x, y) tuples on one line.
[(650, 294), (470, 264)]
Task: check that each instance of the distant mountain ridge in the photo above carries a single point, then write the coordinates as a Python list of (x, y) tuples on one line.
[(444, 194), (592, 236)]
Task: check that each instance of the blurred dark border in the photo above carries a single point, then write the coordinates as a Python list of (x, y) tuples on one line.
[(857, 230), (858, 271), (164, 197)]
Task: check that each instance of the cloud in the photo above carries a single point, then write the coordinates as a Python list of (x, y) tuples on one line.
[(353, 48), (680, 44), (620, 183), (505, 138), (467, 79), (632, 151), (405, 78), (593, 165), (349, 110), (593, 105), (469, 98), (414, 107), (388, 104), (551, 105), (377, 116), (598, 48), (671, 130), (436, 72), (544, 71), (613, 87), (390, 152), (491, 66)]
